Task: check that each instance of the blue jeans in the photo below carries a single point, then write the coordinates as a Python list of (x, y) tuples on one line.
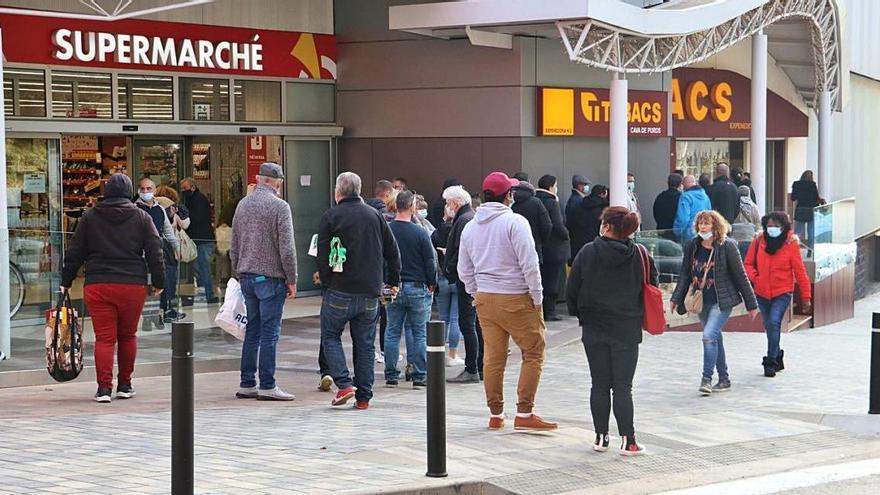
[(202, 267), (772, 312), (361, 313), (264, 299), (447, 306), (806, 231), (411, 304), (713, 319)]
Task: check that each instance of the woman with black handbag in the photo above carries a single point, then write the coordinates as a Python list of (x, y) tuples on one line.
[(605, 292), (119, 245), (711, 283)]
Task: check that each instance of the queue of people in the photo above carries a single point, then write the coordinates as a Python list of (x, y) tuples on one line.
[(496, 272)]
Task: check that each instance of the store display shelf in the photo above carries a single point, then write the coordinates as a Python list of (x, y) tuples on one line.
[(76, 182), (82, 171)]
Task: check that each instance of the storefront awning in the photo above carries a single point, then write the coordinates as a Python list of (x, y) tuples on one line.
[(804, 36)]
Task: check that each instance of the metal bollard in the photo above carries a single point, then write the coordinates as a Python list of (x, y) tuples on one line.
[(436, 399), (874, 397), (182, 387)]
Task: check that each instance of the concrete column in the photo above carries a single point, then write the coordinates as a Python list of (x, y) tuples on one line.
[(618, 137), (5, 323), (825, 175), (758, 149)]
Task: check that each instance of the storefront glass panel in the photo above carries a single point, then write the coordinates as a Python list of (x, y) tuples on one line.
[(311, 102), (34, 213), (81, 95), (204, 99), (146, 97), (24, 92), (257, 101), (159, 160)]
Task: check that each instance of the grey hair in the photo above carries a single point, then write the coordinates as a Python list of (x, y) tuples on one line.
[(348, 184), (270, 181), (458, 195)]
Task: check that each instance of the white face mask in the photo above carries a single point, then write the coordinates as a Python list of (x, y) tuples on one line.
[(705, 235), (631, 186), (422, 213), (449, 213)]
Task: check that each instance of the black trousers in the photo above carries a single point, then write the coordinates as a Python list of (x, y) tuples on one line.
[(471, 332), (612, 367), (551, 275), (383, 324)]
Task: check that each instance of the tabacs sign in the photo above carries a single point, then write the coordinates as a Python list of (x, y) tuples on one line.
[(586, 112), (167, 46)]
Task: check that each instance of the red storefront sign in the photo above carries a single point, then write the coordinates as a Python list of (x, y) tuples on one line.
[(710, 103), (586, 112), (256, 154), (167, 46)]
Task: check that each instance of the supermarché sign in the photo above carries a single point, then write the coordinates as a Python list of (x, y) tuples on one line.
[(167, 46), (155, 50)]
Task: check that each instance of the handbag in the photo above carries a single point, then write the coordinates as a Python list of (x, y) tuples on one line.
[(64, 344), (693, 301), (654, 319), (232, 317), (188, 250)]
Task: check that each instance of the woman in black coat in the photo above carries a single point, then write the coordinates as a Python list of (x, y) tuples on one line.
[(605, 293), (555, 249), (805, 195)]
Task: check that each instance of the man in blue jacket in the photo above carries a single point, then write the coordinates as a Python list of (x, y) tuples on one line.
[(693, 200)]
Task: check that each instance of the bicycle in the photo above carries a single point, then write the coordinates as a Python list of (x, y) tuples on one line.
[(16, 289)]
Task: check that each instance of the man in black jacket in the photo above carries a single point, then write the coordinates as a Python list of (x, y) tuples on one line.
[(666, 204), (201, 231), (526, 204), (458, 201), (583, 222), (723, 194), (362, 247), (556, 250)]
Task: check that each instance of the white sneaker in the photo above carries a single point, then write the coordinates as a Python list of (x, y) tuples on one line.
[(380, 357), (454, 362), (274, 394)]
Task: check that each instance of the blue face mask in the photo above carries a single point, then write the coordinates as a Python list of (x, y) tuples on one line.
[(774, 231), (147, 196)]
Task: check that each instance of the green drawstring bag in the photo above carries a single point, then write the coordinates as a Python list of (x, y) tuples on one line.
[(337, 254)]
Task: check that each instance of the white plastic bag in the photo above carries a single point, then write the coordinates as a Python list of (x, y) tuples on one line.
[(232, 316)]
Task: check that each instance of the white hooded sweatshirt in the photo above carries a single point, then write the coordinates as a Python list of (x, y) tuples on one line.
[(497, 254)]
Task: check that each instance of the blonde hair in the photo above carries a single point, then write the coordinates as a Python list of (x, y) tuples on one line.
[(391, 201), (167, 192), (720, 227)]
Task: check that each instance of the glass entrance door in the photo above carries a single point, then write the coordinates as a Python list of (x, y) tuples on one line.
[(160, 160), (307, 171)]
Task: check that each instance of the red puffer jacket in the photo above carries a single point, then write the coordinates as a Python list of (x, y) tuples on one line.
[(774, 274)]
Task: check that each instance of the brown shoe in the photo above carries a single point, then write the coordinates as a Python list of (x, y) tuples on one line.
[(534, 423), (496, 423)]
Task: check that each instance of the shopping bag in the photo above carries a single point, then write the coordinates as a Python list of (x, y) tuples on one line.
[(188, 250), (654, 320), (223, 236), (64, 345), (232, 317)]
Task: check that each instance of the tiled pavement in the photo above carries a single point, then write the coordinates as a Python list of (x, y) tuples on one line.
[(52, 440)]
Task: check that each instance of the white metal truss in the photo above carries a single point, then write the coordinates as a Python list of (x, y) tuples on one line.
[(608, 47), (102, 13)]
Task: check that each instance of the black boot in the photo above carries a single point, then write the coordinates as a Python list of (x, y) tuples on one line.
[(779, 364), (769, 367)]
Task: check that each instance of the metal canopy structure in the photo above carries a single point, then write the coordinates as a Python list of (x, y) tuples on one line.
[(804, 36)]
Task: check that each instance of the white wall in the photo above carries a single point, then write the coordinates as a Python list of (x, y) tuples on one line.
[(860, 20), (283, 15)]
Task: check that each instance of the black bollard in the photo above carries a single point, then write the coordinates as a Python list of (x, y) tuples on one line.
[(182, 431), (436, 399), (874, 396)]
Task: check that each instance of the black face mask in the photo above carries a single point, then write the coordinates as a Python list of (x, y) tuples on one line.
[(187, 194)]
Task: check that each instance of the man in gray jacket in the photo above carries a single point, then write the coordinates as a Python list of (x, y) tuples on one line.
[(263, 258), (498, 265)]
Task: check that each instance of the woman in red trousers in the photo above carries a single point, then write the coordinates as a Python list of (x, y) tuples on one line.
[(118, 244), (773, 263)]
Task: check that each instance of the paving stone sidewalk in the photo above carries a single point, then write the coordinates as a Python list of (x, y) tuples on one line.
[(53, 440)]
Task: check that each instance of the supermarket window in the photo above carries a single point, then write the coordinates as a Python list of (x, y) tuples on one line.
[(204, 99), (311, 102), (24, 92), (145, 97), (81, 95), (257, 101)]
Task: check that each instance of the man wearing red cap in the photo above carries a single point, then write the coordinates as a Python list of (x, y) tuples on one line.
[(498, 264)]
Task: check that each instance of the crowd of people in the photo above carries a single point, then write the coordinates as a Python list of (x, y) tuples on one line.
[(494, 262)]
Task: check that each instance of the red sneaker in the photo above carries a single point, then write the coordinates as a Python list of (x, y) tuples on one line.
[(496, 423), (362, 404), (343, 396)]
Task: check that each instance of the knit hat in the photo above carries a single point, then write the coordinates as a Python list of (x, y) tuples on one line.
[(744, 191), (118, 186)]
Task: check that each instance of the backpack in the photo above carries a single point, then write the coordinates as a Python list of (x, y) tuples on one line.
[(64, 343)]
